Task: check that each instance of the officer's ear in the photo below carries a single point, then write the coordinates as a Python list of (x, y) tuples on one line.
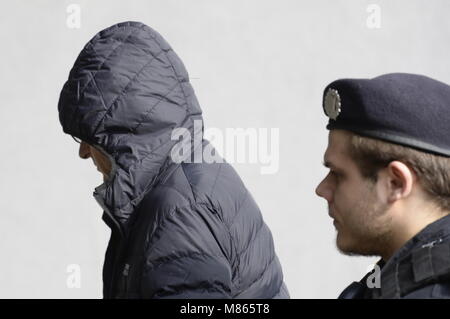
[(398, 178)]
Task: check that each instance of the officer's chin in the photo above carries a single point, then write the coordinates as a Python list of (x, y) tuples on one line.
[(345, 245), (349, 247)]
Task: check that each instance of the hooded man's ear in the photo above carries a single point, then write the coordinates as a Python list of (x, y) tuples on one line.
[(398, 179)]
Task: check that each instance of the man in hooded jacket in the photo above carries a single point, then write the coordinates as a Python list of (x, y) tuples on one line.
[(178, 229)]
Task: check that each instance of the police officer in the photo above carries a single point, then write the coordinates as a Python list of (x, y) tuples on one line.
[(388, 186)]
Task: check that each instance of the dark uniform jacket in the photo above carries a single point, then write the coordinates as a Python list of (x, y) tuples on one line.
[(179, 229), (420, 269)]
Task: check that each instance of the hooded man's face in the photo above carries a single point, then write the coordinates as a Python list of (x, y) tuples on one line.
[(100, 160)]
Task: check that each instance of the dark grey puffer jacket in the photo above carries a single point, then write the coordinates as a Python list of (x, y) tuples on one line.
[(179, 230)]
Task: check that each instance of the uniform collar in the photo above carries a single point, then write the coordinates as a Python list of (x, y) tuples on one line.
[(431, 235)]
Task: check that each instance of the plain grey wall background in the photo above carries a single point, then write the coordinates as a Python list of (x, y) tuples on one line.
[(275, 56)]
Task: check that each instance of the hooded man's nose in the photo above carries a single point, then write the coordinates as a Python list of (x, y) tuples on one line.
[(84, 151)]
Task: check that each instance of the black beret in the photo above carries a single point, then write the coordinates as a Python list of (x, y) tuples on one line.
[(407, 109)]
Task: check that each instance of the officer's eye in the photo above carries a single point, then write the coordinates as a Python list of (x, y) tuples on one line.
[(335, 174)]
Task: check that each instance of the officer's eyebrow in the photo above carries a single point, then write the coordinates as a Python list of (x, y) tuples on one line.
[(330, 165)]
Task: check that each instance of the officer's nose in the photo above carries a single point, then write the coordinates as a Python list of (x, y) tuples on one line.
[(324, 190), (84, 151)]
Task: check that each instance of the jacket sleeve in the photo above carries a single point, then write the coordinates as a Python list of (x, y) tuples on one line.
[(187, 256)]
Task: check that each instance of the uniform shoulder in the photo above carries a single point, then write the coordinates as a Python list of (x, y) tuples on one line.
[(440, 290)]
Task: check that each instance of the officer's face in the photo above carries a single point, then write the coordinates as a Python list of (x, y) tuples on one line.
[(360, 218)]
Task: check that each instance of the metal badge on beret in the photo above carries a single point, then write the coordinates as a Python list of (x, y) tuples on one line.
[(332, 104)]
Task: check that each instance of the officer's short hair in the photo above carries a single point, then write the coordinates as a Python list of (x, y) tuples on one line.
[(433, 171)]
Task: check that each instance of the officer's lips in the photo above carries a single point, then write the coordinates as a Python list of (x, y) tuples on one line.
[(331, 214), (333, 217)]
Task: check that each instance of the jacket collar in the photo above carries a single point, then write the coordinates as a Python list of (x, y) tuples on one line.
[(393, 269)]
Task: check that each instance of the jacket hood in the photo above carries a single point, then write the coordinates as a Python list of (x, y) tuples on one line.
[(125, 94)]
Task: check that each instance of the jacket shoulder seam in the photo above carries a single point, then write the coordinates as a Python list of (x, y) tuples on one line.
[(189, 182)]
